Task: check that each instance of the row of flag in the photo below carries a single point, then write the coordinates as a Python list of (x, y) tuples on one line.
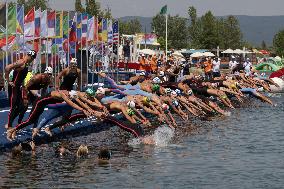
[(59, 26)]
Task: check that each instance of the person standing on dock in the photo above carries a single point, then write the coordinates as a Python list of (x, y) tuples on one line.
[(20, 68)]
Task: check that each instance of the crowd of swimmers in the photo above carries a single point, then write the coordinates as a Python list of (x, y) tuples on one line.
[(158, 94)]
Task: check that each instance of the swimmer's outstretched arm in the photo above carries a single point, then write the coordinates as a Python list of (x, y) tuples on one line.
[(112, 83)]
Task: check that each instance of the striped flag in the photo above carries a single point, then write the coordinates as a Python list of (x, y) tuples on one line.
[(110, 32), (37, 22), (51, 16), (20, 19), (104, 30), (30, 23), (59, 25), (79, 26), (91, 29), (43, 25), (84, 28), (115, 29)]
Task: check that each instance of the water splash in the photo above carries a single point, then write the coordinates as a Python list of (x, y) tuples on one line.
[(161, 137)]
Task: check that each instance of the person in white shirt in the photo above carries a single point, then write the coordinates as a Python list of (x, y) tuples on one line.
[(247, 66), (216, 67), (233, 64)]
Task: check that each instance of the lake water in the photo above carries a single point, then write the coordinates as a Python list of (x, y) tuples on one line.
[(244, 150)]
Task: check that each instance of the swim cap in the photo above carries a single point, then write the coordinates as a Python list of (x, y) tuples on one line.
[(131, 104), (73, 61), (32, 54), (146, 100), (73, 94), (130, 112), (189, 92), (168, 90), (101, 90), (175, 103), (165, 107), (156, 80), (155, 87), (142, 74), (178, 91), (161, 73), (48, 70), (90, 92), (173, 93)]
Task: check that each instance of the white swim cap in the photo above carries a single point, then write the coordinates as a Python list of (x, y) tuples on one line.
[(165, 107), (73, 94), (48, 70), (173, 93), (101, 90), (168, 90), (161, 73), (156, 80), (131, 104)]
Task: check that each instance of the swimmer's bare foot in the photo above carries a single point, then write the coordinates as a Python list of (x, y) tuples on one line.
[(11, 134), (48, 131), (35, 133)]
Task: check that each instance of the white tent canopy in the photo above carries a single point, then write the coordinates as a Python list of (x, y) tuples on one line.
[(177, 54), (228, 51), (196, 55), (147, 51), (238, 51), (208, 54)]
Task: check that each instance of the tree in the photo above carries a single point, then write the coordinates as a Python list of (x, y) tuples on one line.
[(43, 4), (177, 31), (93, 8), (263, 45), (232, 35), (78, 6), (131, 27), (278, 43)]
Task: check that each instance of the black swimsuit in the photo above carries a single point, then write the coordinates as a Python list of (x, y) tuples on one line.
[(68, 81)]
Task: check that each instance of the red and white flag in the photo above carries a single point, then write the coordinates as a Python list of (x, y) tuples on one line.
[(30, 23)]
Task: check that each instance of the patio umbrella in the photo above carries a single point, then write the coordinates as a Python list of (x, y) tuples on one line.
[(177, 54), (196, 55), (147, 51), (238, 51), (208, 54), (228, 51)]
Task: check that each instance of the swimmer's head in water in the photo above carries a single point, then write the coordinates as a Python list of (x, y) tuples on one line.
[(168, 90), (173, 93), (189, 92), (178, 92), (142, 73), (101, 90), (146, 100), (155, 87), (104, 154), (73, 94), (90, 92), (82, 151), (175, 103), (161, 73), (130, 112), (131, 104), (156, 80), (165, 107)]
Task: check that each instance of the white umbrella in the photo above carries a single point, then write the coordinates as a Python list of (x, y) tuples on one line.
[(208, 54), (196, 55), (238, 51), (177, 54), (147, 51), (228, 51)]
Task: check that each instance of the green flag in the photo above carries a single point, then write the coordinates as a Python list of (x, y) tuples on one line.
[(164, 9), (12, 19), (65, 25)]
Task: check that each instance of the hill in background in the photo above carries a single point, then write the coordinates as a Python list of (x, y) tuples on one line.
[(255, 28)]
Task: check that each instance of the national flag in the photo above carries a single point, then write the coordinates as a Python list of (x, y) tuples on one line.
[(37, 22), (65, 24), (59, 24), (10, 43), (12, 19), (164, 9), (84, 28), (51, 17), (115, 28), (72, 34), (96, 31), (100, 29), (20, 19), (104, 30), (110, 32), (91, 29), (30, 23), (43, 25), (79, 26)]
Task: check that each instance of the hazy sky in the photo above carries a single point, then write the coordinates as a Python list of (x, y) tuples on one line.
[(149, 8)]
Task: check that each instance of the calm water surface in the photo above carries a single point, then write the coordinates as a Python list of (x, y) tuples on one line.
[(245, 150)]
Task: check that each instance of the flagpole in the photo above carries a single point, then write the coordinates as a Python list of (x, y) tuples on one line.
[(87, 52), (68, 44), (39, 40), (6, 52), (81, 84), (166, 37)]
